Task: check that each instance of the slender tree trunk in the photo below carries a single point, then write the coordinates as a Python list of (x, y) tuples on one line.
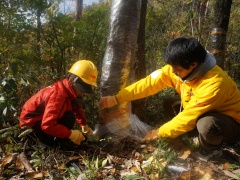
[(79, 7), (38, 48), (78, 15), (219, 32), (139, 106)]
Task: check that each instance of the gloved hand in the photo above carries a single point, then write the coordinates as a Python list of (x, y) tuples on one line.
[(76, 137), (87, 130), (151, 135), (107, 102)]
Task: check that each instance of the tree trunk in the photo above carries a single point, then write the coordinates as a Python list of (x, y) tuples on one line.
[(38, 48), (79, 7), (139, 106), (118, 122), (219, 32), (78, 15)]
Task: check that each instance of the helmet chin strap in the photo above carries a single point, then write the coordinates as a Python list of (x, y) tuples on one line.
[(75, 79)]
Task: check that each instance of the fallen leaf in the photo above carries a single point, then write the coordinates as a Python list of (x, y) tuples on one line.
[(74, 158), (199, 170), (134, 168), (151, 148), (152, 162), (185, 175), (138, 156), (104, 162), (185, 155), (154, 176), (206, 177), (34, 175), (19, 163), (62, 167), (128, 163), (8, 159), (45, 173), (114, 159), (227, 166), (237, 171)]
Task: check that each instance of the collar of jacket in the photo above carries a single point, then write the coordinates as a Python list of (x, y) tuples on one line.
[(202, 68), (68, 88)]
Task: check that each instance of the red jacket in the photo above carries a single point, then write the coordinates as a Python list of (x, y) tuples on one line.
[(49, 105)]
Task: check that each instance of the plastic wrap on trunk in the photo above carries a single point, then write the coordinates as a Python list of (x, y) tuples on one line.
[(121, 46), (119, 122)]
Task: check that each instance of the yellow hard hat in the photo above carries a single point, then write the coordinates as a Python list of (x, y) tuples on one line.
[(86, 71)]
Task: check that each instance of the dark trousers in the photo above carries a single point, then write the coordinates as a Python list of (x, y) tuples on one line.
[(68, 120), (215, 129)]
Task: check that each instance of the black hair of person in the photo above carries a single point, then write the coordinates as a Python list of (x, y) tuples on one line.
[(184, 51)]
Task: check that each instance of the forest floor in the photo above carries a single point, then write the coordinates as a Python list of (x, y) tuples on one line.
[(26, 158)]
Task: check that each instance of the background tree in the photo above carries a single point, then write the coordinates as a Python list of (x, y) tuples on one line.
[(139, 106), (222, 11), (79, 7), (37, 8)]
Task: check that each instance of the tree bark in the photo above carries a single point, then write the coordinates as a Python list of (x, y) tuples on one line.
[(222, 11), (118, 122), (38, 48), (79, 7), (139, 106)]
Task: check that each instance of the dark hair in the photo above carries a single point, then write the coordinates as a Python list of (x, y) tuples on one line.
[(184, 51)]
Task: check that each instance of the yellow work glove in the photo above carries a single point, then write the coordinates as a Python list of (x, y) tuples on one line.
[(87, 130), (76, 137), (107, 102), (151, 135)]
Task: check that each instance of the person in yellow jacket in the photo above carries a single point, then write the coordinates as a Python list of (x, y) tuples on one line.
[(210, 99)]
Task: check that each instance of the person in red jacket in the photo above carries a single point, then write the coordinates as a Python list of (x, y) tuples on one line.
[(53, 111)]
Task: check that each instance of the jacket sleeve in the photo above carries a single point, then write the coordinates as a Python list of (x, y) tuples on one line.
[(207, 99), (80, 117), (147, 86), (53, 107)]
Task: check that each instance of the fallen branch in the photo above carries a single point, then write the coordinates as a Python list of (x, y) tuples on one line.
[(25, 162), (232, 153)]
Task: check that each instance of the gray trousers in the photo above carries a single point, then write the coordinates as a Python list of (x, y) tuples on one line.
[(215, 129)]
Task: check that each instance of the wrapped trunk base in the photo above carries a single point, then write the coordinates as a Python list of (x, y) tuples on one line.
[(123, 124), (119, 122)]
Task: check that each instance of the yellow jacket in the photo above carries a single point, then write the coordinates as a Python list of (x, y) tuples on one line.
[(213, 91)]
